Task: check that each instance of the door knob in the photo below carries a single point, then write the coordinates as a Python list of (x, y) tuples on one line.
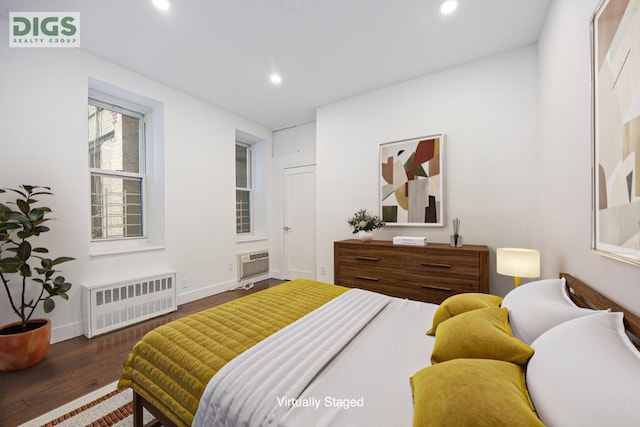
[(285, 228)]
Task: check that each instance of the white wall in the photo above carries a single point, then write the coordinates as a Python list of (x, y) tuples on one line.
[(488, 113), (43, 141), (565, 170)]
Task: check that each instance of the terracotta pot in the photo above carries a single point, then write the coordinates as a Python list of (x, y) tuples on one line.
[(23, 350)]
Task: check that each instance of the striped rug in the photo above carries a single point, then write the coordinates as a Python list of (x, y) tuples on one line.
[(104, 407)]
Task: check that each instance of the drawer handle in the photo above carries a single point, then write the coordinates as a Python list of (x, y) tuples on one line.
[(367, 258), (371, 279), (435, 264), (437, 288)]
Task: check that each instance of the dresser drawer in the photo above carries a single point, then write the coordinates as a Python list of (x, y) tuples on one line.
[(413, 265), (373, 256), (464, 267), (354, 276)]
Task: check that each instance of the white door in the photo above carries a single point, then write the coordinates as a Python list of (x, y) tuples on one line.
[(299, 230)]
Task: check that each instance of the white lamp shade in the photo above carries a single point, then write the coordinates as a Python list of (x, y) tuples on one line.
[(518, 262)]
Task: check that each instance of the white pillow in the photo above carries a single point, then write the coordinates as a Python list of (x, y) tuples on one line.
[(586, 372), (538, 306)]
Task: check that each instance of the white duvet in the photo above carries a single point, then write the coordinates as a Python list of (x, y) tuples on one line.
[(347, 363)]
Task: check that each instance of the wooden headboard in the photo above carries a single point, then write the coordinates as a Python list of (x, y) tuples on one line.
[(585, 296)]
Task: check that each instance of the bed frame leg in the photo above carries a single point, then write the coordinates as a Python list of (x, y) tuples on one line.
[(139, 405), (138, 411)]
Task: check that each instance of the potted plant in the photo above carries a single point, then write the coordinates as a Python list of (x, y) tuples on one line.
[(25, 343), (363, 224)]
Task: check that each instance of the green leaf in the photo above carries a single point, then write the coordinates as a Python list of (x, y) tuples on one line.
[(24, 251), (63, 295), (17, 216), (25, 270), (40, 229), (58, 280), (46, 263), (24, 206), (65, 287), (49, 305), (9, 265), (40, 250), (8, 226), (39, 190), (36, 214), (4, 212), (29, 188), (24, 234), (61, 259)]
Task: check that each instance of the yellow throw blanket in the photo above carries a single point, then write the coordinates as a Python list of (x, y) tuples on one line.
[(171, 365)]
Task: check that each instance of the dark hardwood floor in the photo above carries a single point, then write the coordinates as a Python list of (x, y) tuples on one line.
[(80, 365)]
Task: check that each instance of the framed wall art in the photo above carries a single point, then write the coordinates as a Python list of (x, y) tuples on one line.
[(410, 176), (615, 51)]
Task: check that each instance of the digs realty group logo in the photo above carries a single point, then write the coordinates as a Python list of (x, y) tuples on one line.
[(44, 29)]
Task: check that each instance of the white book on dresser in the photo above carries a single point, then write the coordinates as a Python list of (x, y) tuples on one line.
[(410, 240)]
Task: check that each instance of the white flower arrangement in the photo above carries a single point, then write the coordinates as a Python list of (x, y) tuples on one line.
[(364, 221)]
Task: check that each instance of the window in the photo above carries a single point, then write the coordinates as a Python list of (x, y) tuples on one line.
[(125, 143), (243, 188), (117, 166)]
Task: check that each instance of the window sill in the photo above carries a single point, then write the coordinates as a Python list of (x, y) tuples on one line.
[(250, 238), (98, 249)]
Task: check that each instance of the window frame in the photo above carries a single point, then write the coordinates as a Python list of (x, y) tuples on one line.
[(103, 101), (250, 186)]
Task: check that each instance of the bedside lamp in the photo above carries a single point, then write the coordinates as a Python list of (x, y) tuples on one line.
[(518, 263)]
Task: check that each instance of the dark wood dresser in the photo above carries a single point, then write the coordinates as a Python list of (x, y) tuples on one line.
[(425, 273)]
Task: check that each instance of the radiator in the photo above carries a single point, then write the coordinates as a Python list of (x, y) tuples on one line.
[(251, 264), (116, 305)]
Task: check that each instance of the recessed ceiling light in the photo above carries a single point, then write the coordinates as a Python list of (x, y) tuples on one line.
[(275, 79), (162, 4), (447, 7)]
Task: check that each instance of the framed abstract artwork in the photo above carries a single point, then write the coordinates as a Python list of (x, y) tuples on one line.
[(615, 57), (410, 176)]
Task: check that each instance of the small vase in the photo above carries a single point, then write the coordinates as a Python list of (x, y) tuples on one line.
[(365, 236), (455, 241)]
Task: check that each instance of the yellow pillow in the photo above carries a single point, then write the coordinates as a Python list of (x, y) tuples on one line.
[(479, 334), (472, 392), (461, 303)]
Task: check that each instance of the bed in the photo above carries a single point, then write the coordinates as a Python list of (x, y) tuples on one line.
[(551, 352)]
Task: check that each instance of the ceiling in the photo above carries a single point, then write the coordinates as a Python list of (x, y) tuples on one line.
[(223, 51)]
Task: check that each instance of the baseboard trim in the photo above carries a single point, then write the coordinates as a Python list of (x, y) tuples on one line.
[(207, 291), (66, 332)]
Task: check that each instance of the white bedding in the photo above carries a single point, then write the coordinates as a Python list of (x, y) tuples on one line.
[(347, 363)]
